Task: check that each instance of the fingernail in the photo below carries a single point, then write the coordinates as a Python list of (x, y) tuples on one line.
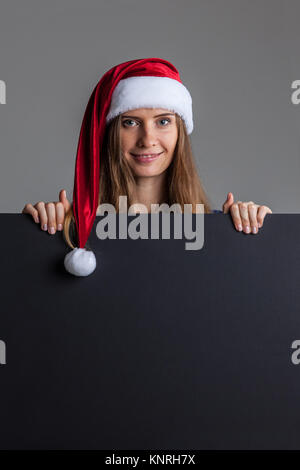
[(37, 220), (254, 230), (45, 227), (240, 227), (247, 229), (52, 230), (59, 227)]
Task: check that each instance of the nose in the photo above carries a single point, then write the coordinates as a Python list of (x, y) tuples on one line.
[(147, 137)]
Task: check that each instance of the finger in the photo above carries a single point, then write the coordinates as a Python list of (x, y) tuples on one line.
[(60, 215), (252, 210), (236, 219), (40, 207), (50, 208), (261, 213), (243, 207), (29, 209), (63, 198), (228, 203)]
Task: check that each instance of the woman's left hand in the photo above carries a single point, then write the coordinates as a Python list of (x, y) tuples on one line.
[(246, 216)]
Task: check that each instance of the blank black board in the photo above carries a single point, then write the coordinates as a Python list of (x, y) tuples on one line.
[(160, 348)]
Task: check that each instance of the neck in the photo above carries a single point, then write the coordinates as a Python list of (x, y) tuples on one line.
[(150, 190)]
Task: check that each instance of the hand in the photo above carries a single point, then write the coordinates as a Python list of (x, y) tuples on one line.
[(50, 215), (246, 216)]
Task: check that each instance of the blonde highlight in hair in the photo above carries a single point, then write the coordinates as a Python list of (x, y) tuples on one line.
[(183, 184)]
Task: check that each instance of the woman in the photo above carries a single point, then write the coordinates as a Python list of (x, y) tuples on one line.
[(124, 149)]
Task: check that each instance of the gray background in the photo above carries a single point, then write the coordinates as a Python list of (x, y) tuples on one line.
[(238, 59)]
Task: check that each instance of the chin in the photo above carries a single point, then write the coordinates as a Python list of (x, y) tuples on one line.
[(145, 173)]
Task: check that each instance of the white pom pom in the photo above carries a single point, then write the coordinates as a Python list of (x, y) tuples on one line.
[(80, 262)]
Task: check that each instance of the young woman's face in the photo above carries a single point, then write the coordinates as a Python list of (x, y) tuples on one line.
[(148, 132)]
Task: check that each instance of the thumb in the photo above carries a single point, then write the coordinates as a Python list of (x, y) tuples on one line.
[(229, 201), (63, 198)]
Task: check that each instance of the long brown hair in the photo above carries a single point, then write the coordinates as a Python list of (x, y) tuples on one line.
[(117, 179)]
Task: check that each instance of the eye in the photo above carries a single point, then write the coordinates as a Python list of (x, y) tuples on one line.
[(131, 120), (165, 119), (127, 120)]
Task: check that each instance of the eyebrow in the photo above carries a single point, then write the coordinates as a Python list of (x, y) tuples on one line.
[(158, 115)]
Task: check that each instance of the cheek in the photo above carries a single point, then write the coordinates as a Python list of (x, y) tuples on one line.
[(127, 139), (170, 141), (123, 141)]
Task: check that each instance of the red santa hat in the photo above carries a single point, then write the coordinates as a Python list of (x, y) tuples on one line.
[(140, 83)]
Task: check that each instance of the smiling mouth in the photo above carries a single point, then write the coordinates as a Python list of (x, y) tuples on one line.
[(149, 156)]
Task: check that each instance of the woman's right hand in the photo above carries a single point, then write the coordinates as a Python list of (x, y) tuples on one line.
[(50, 215)]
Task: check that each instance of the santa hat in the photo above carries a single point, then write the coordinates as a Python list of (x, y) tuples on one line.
[(141, 83)]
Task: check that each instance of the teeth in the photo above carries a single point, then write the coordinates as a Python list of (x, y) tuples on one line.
[(145, 156)]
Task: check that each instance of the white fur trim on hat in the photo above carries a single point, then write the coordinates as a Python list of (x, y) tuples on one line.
[(80, 262), (152, 92)]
